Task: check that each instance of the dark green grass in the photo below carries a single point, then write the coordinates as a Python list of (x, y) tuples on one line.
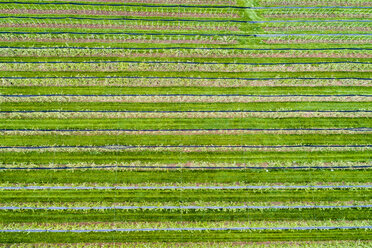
[(175, 140), (191, 215), (160, 236), (198, 74), (179, 176), (184, 196), (177, 157), (187, 90), (181, 123), (259, 106)]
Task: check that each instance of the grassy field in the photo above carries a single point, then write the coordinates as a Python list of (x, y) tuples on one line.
[(195, 123)]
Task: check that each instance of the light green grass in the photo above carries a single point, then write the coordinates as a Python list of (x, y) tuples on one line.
[(176, 157), (179, 176), (175, 140)]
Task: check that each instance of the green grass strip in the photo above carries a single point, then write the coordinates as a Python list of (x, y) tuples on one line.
[(184, 195), (187, 236), (174, 215), (178, 176), (279, 74), (279, 244), (179, 123), (174, 140), (176, 157), (214, 106)]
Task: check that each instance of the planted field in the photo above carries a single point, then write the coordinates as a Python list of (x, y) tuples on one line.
[(195, 123)]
